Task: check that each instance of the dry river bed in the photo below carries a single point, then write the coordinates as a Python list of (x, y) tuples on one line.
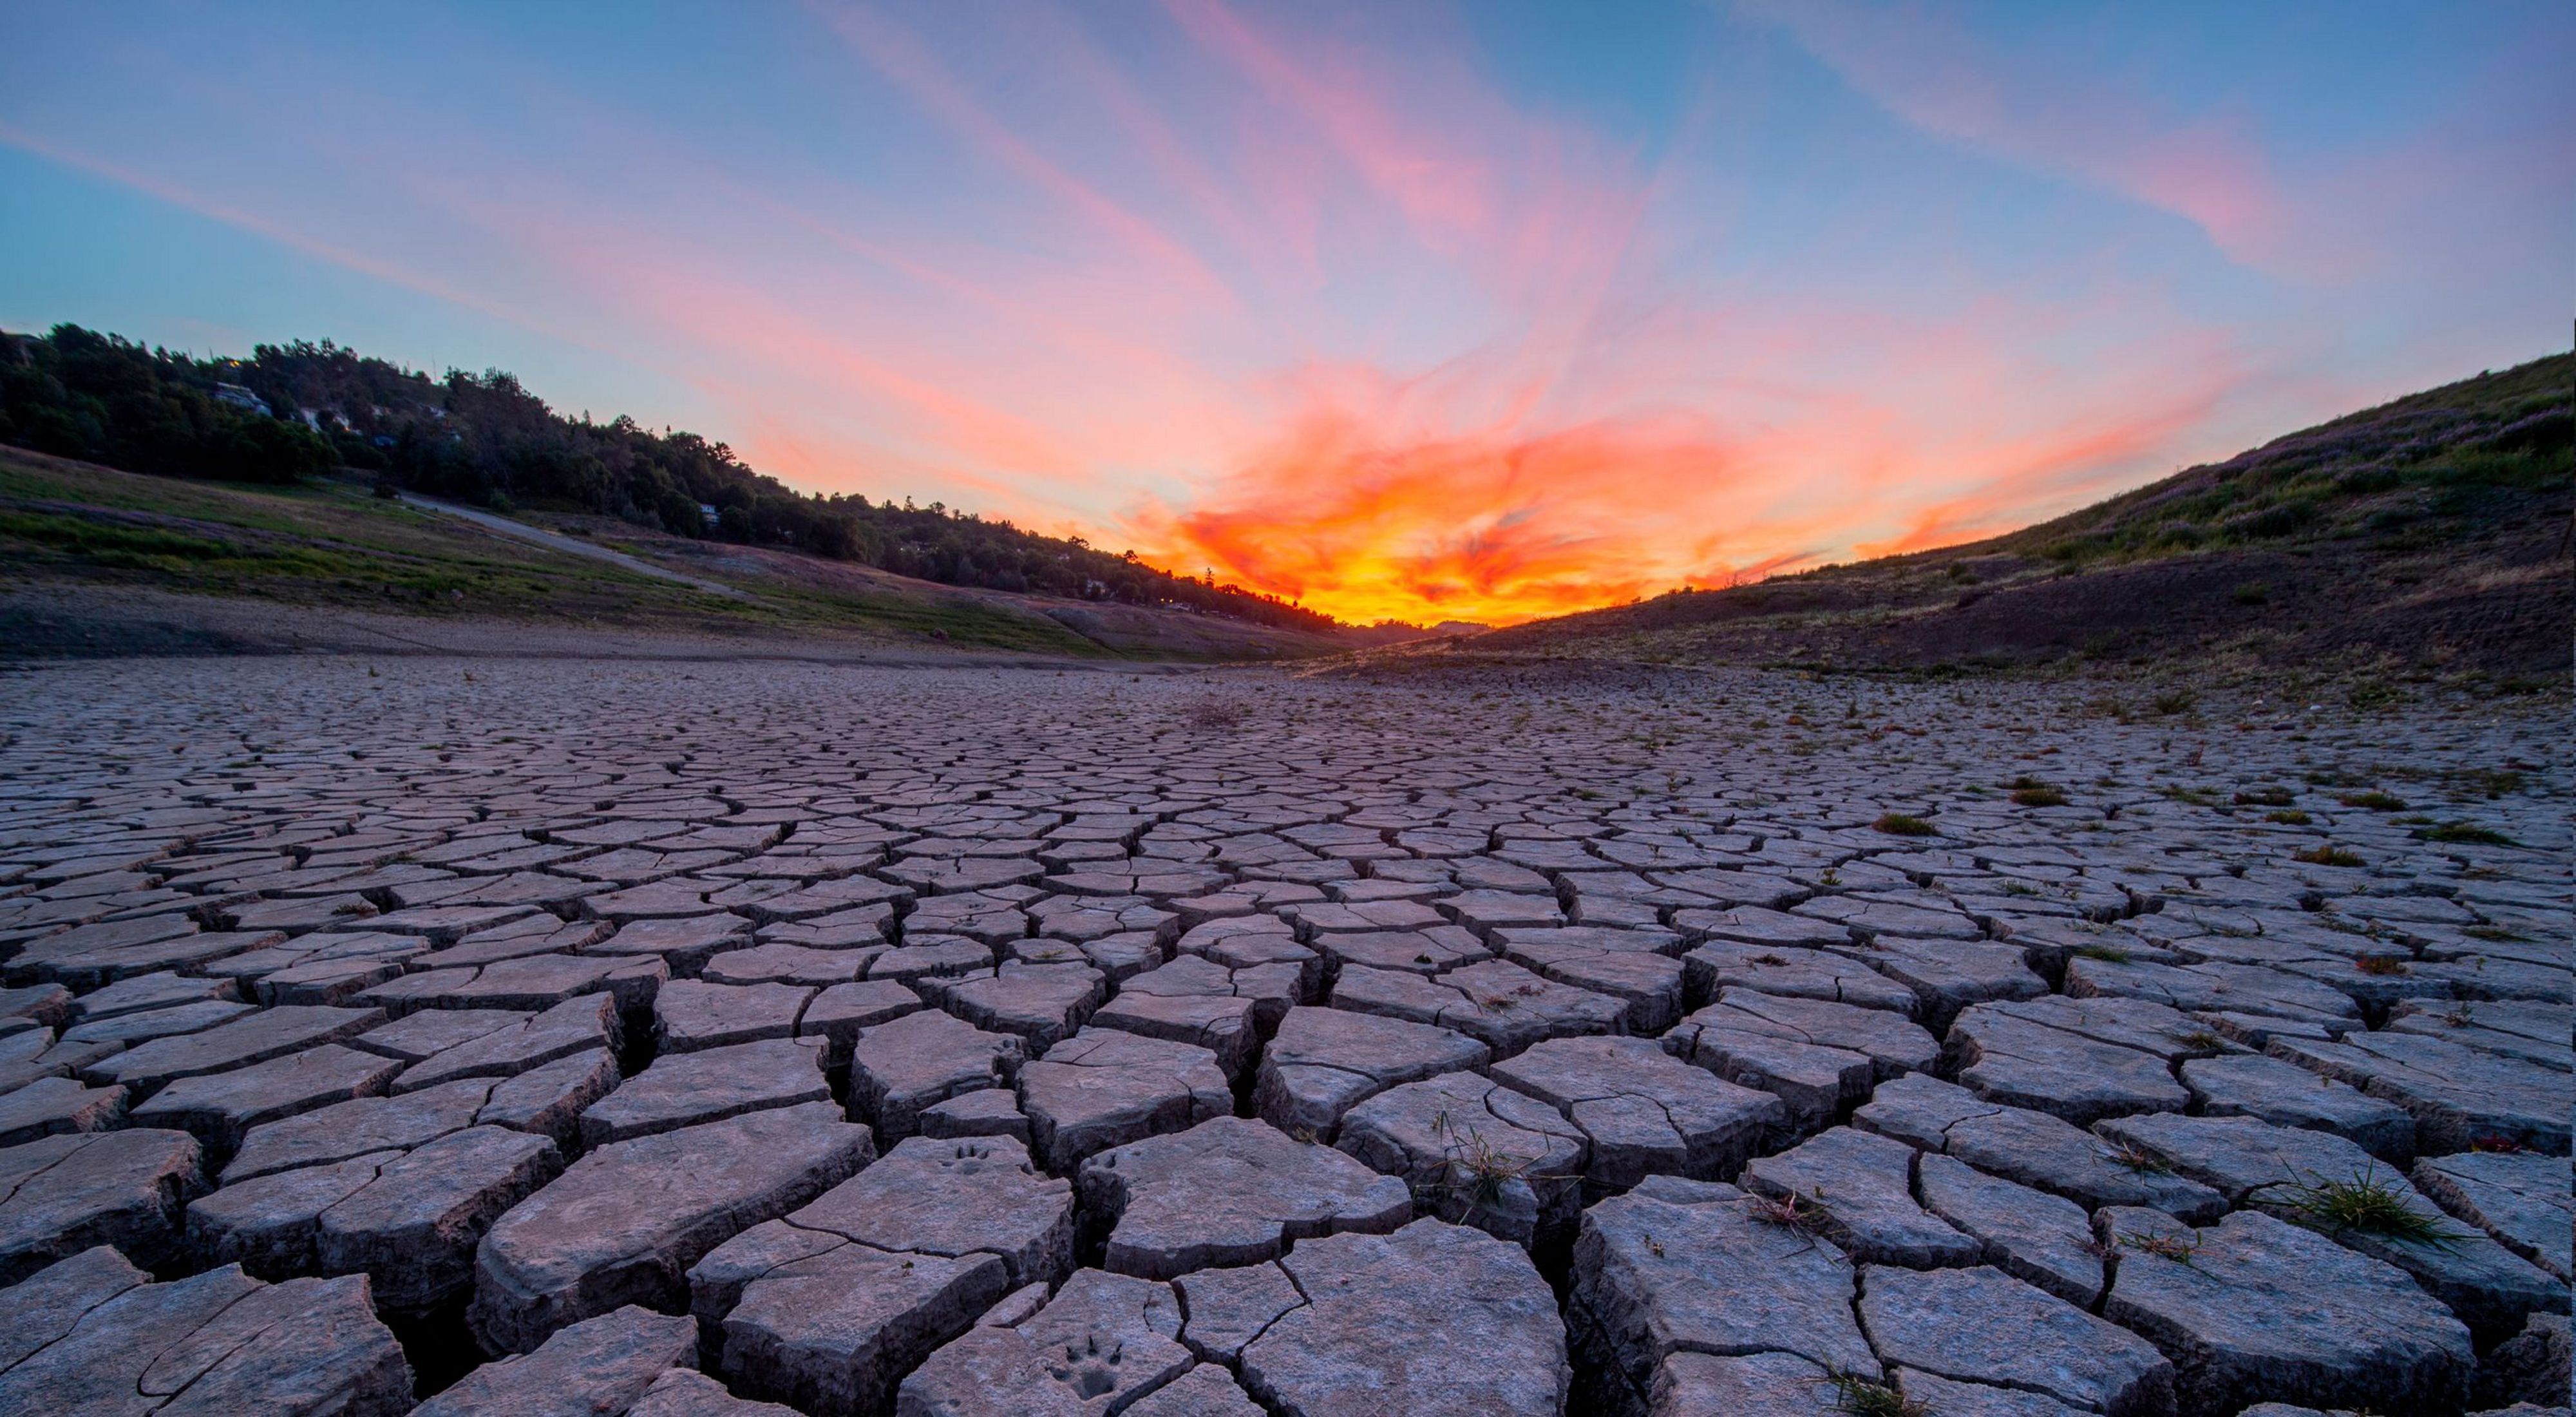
[(522, 1036)]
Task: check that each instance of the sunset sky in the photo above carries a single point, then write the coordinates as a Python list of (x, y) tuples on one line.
[(1480, 310)]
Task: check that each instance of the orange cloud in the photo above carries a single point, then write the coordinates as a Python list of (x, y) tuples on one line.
[(1824, 436), (1482, 526)]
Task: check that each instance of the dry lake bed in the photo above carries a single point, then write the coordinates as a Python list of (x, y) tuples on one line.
[(552, 1036)]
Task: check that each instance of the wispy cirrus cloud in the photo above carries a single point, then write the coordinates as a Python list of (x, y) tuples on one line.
[(1926, 65)]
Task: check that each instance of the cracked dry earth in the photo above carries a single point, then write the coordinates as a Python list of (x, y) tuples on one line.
[(561, 1037)]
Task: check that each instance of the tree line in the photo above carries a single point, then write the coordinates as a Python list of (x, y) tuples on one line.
[(301, 410)]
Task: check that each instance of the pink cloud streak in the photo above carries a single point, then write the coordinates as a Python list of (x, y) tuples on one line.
[(1925, 66)]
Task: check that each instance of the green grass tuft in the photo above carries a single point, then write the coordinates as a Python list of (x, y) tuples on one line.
[(1899, 824), (2366, 1205)]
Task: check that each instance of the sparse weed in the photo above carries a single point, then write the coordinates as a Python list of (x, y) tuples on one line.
[(1485, 1172), (2380, 966), (2175, 701), (1475, 1167), (2108, 954), (2328, 854), (1899, 824), (2374, 800), (2038, 797), (1215, 713), (2129, 1156), (2366, 1205), (2289, 817), (2489, 783), (2177, 1248), (1788, 1212), (2265, 797), (1860, 1396), (2463, 834)]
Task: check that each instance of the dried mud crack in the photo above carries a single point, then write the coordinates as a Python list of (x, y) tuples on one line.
[(532, 1036)]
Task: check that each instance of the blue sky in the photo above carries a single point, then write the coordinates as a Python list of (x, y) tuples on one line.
[(1483, 309)]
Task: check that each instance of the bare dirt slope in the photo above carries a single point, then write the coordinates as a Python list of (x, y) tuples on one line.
[(536, 535)]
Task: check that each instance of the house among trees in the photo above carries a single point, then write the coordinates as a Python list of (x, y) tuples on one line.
[(240, 397)]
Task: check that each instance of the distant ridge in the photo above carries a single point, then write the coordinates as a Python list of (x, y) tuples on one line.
[(2430, 532)]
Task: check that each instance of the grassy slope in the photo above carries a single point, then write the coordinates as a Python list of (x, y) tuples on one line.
[(2430, 532), (70, 524)]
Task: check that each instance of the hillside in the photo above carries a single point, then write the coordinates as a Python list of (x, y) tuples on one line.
[(290, 413), (2430, 533), (96, 560)]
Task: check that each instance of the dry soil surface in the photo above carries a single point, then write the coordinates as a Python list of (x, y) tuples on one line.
[(551, 1035)]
